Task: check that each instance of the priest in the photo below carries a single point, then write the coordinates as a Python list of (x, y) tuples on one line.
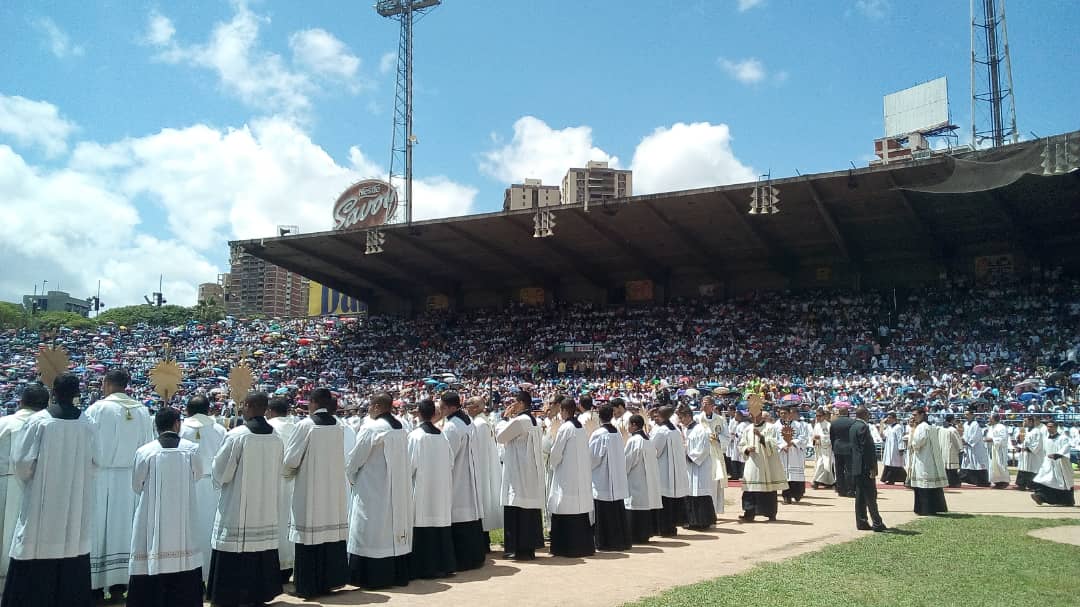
[(643, 482), (736, 428), (488, 467), (952, 446), (607, 451), (35, 397), (123, 425), (318, 512), (380, 529), (927, 468), (792, 439), (1031, 453), (1054, 482), (55, 459), (522, 491), (244, 561), (208, 435), (892, 451), (467, 511), (430, 473), (166, 561), (997, 443), (277, 415), (824, 467), (973, 470), (701, 486), (763, 474), (570, 495), (719, 438), (674, 479)]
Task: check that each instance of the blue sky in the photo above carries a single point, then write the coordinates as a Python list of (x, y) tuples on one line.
[(137, 140)]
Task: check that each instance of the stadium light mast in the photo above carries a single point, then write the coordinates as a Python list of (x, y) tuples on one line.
[(990, 37), (401, 149)]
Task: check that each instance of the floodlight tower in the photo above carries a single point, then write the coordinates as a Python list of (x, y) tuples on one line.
[(401, 149), (989, 57)]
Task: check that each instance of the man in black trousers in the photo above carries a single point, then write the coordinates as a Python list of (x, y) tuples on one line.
[(839, 434), (862, 472)]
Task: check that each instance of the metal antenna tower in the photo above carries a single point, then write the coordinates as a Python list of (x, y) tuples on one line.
[(401, 149), (988, 31)]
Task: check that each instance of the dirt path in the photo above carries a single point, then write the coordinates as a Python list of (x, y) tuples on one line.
[(731, 547)]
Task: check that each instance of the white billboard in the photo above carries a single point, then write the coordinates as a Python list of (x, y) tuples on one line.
[(917, 109)]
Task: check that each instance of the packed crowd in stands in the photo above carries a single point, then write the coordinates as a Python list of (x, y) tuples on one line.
[(999, 347)]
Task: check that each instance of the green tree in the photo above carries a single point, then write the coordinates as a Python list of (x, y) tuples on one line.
[(12, 316), (208, 311), (50, 321), (165, 316)]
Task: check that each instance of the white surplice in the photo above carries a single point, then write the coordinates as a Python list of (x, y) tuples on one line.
[(927, 467), (608, 460), (976, 456), (248, 472), (793, 454), (891, 452), (380, 517), (1032, 451), (952, 445), (699, 462), (523, 464), (431, 475), (999, 452), (763, 471), (590, 421), (123, 425), (643, 474), (208, 435), (163, 534), (490, 472), (11, 490), (671, 461), (56, 461), (571, 471), (741, 428), (1056, 473), (285, 427), (315, 458), (461, 433), (824, 464)]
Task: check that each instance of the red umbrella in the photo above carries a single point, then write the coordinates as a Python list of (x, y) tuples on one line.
[(980, 369)]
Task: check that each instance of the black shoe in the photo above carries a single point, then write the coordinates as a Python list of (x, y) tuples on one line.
[(509, 556), (746, 518), (1038, 500), (879, 527), (772, 518), (525, 556), (863, 527), (787, 500)]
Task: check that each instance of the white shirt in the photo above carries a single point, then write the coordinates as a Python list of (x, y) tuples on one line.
[(163, 534), (431, 470), (608, 458)]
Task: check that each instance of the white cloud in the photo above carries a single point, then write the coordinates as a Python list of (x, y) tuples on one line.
[(58, 41), (259, 78), (873, 9), (322, 53), (387, 62), (687, 156), (89, 219), (746, 71), (539, 151), (35, 123), (745, 5)]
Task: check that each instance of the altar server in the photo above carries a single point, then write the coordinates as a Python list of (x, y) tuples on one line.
[(466, 514), (430, 470), (522, 479), (570, 495), (208, 435), (1054, 482), (607, 452), (643, 480), (488, 467), (671, 462), (701, 486), (35, 397)]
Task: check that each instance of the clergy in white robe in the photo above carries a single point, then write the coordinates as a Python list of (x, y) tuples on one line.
[(892, 451), (740, 426), (244, 558), (792, 438), (620, 417), (763, 474), (284, 425), (997, 443), (824, 467), (608, 459), (927, 467), (1031, 453), (719, 439), (952, 446), (199, 428), (1054, 482), (701, 484), (674, 479), (643, 482), (431, 472), (166, 561), (588, 417), (522, 491), (976, 459), (466, 524), (318, 512), (488, 467), (35, 397), (50, 548), (381, 516), (123, 425), (570, 495)]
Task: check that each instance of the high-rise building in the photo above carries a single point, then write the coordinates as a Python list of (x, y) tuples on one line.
[(596, 183), (211, 290), (530, 194), (254, 286)]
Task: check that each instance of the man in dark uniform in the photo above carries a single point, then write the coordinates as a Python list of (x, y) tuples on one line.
[(862, 472), (839, 434)]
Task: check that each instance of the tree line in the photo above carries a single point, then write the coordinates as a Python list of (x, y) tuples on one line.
[(15, 316)]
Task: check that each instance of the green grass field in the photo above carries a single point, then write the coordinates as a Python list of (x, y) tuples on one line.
[(951, 560)]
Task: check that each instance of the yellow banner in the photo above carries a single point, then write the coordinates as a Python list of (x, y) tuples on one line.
[(324, 301)]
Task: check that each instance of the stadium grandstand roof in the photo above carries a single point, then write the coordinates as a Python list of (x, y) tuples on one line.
[(902, 223)]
